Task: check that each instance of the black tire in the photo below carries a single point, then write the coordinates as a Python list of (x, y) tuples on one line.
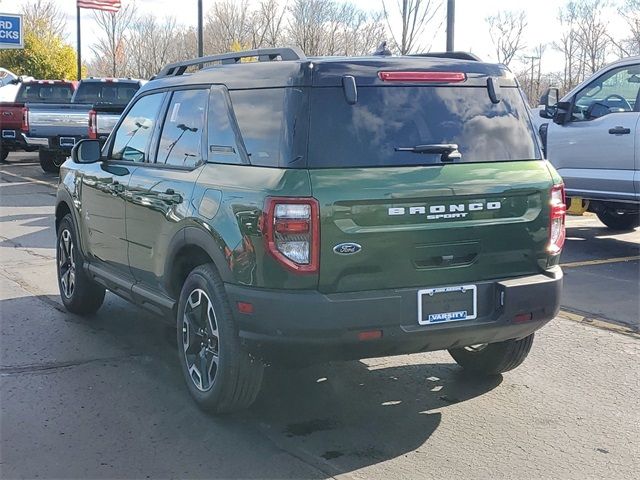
[(616, 220), (493, 358), (207, 333), (50, 161), (80, 294), (3, 154)]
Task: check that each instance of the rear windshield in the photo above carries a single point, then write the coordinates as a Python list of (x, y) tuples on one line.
[(45, 93), (106, 92), (367, 133)]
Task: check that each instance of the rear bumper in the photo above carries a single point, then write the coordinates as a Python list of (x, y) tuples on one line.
[(18, 142), (37, 142), (316, 326), (61, 144)]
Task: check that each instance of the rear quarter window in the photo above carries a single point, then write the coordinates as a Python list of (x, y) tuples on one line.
[(367, 133), (273, 124)]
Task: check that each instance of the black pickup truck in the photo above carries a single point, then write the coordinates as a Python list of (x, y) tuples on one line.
[(55, 128)]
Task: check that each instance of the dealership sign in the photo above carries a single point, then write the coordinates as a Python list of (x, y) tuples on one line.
[(11, 31)]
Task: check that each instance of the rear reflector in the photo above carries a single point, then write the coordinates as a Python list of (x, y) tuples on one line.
[(523, 317), (245, 307), (370, 335), (444, 77)]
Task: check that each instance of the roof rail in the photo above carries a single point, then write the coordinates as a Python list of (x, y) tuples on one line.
[(263, 54), (456, 55)]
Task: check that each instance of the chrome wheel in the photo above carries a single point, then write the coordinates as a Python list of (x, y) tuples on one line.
[(66, 264), (200, 339)]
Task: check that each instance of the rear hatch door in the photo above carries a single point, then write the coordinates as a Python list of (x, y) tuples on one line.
[(393, 218)]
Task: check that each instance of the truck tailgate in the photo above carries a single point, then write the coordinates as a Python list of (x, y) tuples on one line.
[(58, 120), (11, 116)]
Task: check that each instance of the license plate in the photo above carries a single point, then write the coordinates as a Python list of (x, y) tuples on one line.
[(67, 141), (8, 134), (447, 304)]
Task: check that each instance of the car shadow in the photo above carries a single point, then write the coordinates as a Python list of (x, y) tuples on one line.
[(351, 415), (590, 243), (337, 417)]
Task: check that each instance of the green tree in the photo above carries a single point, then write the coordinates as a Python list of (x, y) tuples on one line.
[(42, 57)]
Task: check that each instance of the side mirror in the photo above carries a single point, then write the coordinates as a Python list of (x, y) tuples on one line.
[(549, 99), (86, 151), (562, 113)]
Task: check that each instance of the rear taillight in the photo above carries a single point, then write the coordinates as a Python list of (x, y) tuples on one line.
[(25, 120), (93, 127), (405, 76), (558, 213), (292, 233)]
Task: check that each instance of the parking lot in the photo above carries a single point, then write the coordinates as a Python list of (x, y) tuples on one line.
[(105, 398)]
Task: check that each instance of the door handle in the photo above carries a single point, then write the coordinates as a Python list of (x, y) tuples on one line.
[(170, 196), (619, 131)]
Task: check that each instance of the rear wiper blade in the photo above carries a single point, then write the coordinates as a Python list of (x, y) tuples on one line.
[(449, 151)]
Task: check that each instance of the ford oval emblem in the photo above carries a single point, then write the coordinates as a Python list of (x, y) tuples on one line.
[(347, 248)]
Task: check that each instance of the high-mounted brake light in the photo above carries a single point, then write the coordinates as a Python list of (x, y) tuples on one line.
[(25, 120), (558, 212), (442, 77), (292, 233), (93, 127)]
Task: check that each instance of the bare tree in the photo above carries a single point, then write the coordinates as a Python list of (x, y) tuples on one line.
[(227, 23), (531, 78), (506, 30), (327, 27), (110, 47), (415, 16), (152, 44), (267, 24), (593, 36), (629, 10), (569, 46), (44, 19), (306, 24)]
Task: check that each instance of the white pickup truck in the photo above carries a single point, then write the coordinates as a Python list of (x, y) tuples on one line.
[(592, 137)]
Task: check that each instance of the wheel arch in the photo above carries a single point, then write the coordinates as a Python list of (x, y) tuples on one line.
[(190, 248)]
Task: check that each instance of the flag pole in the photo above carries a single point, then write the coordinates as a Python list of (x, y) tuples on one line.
[(200, 41), (79, 43)]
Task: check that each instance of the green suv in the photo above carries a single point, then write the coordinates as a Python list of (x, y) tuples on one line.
[(308, 209)]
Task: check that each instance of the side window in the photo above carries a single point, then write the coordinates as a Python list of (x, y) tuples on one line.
[(181, 138), (616, 91), (133, 134), (260, 115), (224, 139)]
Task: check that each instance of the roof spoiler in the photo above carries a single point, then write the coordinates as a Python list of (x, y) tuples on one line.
[(263, 54), (456, 55)]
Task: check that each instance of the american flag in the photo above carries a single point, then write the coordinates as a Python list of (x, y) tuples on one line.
[(108, 5)]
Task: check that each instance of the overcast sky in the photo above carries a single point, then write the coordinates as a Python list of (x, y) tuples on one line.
[(471, 32)]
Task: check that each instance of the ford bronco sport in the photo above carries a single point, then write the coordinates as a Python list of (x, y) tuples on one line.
[(308, 209)]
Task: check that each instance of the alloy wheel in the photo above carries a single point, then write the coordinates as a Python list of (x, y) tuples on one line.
[(200, 339), (66, 263)]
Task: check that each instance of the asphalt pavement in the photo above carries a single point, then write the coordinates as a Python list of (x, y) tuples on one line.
[(104, 398)]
